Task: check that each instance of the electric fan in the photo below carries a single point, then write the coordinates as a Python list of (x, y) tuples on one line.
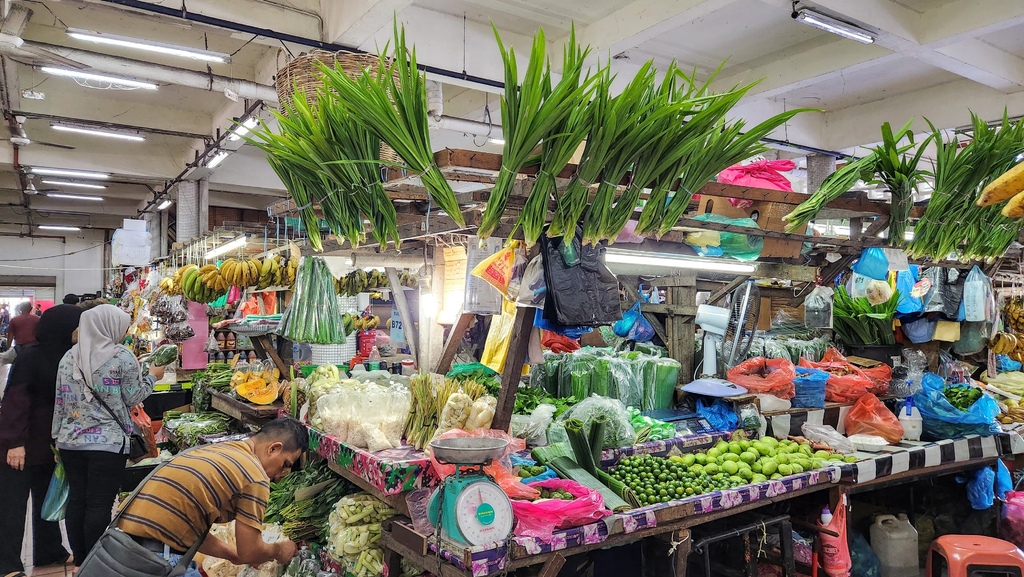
[(732, 327)]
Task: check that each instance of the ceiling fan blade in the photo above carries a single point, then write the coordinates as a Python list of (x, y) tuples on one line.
[(54, 145)]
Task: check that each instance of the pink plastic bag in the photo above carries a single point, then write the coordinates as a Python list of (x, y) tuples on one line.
[(760, 174), (500, 470), (1012, 526), (540, 518)]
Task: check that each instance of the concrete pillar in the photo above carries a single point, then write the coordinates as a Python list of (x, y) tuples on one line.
[(193, 209), (819, 166)]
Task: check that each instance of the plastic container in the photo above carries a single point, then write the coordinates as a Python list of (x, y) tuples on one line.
[(826, 516), (894, 540), (910, 418), (868, 443)]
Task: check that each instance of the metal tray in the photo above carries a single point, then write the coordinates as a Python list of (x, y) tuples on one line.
[(468, 450)]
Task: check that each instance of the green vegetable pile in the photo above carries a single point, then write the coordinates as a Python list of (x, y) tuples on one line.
[(282, 493), (726, 465), (962, 396), (216, 376), (307, 520), (546, 493), (527, 471), (858, 322), (527, 399), (648, 429), (186, 428), (488, 379)]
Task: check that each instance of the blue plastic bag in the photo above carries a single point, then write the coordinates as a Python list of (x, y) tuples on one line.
[(718, 414), (1006, 364), (56, 500), (905, 281), (873, 264), (941, 420), (810, 388), (865, 562), (980, 488), (518, 461), (549, 325), (1003, 481)]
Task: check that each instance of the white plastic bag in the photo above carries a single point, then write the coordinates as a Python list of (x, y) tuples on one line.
[(818, 308), (978, 296)]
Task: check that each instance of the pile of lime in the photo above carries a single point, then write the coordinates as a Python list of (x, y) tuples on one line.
[(724, 466)]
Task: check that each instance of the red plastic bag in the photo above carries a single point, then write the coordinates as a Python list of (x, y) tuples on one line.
[(762, 376), (870, 417), (880, 377), (846, 382), (540, 518), (835, 551), (500, 470), (1012, 526), (760, 174), (145, 426), (558, 343)]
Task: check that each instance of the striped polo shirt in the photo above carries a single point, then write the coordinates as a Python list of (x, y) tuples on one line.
[(214, 484)]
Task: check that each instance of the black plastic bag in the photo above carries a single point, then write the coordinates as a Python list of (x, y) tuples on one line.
[(583, 294), (947, 289)]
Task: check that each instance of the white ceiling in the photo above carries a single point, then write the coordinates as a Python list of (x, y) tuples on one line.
[(933, 58)]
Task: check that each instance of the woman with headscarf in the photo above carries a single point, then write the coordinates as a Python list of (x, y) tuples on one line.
[(26, 458), (93, 446)]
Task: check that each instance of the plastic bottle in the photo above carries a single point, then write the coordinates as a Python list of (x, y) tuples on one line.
[(910, 418), (826, 516), (894, 540)]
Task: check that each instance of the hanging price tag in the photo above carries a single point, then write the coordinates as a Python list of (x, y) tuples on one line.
[(397, 329)]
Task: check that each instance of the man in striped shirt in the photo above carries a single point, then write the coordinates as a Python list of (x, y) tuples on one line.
[(217, 484)]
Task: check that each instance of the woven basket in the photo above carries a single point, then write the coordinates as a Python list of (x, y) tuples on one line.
[(302, 76)]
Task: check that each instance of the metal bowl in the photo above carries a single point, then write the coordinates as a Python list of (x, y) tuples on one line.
[(468, 450)]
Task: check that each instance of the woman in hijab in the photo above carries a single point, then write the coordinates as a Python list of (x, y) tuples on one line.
[(93, 445), (27, 462)]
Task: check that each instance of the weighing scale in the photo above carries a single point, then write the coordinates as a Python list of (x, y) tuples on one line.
[(469, 507), (686, 423)]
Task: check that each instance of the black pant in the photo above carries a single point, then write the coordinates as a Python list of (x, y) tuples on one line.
[(15, 486), (94, 478)]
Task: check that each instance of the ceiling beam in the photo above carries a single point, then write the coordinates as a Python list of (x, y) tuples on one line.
[(642, 20), (353, 22)]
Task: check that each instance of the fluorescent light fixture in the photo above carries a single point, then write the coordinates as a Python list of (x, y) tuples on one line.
[(242, 129), (837, 27), (428, 305), (227, 247), (80, 75), (496, 141), (217, 159), (73, 196), (88, 174), (58, 227), (165, 204), (634, 257), (73, 184), (98, 132), (148, 45)]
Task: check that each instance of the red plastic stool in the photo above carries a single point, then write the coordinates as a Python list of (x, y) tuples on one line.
[(973, 556)]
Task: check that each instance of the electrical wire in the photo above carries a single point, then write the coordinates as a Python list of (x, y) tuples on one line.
[(55, 255)]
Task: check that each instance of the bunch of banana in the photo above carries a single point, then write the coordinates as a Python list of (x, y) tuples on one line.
[(408, 279), (169, 286), (1015, 315), (366, 323), (349, 322), (289, 271), (240, 272), (358, 281), (271, 272), (202, 285), (1013, 413), (1004, 343)]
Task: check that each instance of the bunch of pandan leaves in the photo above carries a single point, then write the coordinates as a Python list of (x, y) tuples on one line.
[(953, 223), (669, 138), (858, 322)]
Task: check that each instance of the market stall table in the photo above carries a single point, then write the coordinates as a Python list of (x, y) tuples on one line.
[(245, 412)]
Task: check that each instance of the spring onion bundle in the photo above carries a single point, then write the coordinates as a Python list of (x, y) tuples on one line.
[(396, 111), (834, 185), (531, 111), (900, 174)]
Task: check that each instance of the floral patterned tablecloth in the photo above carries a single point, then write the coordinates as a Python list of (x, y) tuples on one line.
[(391, 472)]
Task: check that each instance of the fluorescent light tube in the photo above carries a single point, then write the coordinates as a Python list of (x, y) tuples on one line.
[(217, 159), (837, 27), (70, 173), (242, 129), (496, 141), (148, 45), (98, 132), (227, 247), (58, 227), (634, 257), (73, 184), (66, 72), (165, 204), (73, 196)]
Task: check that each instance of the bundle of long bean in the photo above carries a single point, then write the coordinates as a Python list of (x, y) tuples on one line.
[(953, 223), (724, 146), (531, 110), (834, 185), (900, 174), (396, 111)]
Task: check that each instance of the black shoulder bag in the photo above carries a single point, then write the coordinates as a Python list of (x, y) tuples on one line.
[(139, 446)]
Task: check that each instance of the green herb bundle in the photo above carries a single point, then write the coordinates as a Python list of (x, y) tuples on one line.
[(395, 109), (834, 186), (531, 111), (900, 174), (857, 322)]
